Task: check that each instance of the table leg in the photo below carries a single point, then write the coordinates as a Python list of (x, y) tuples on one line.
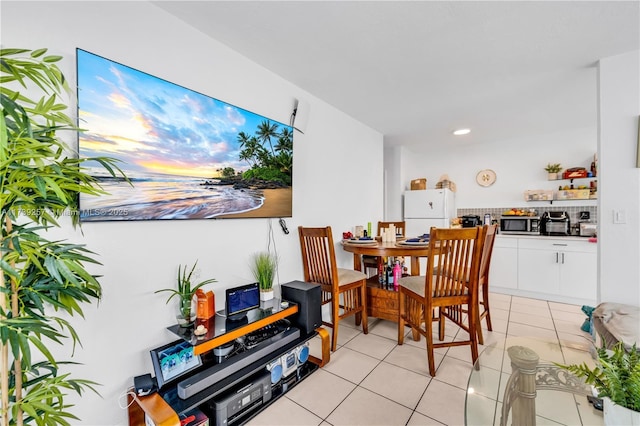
[(357, 262), (415, 265)]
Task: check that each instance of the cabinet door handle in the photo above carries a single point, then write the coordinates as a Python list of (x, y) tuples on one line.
[(562, 258), (557, 257), (559, 244)]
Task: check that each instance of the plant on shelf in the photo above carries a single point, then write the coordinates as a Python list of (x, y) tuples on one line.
[(553, 169), (185, 293), (616, 377), (40, 180), (264, 270)]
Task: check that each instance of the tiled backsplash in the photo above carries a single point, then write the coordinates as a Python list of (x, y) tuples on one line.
[(572, 210)]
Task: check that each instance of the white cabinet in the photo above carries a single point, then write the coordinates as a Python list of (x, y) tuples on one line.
[(503, 272), (558, 267), (561, 269)]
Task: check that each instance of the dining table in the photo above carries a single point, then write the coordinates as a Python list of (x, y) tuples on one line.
[(382, 300), (386, 249)]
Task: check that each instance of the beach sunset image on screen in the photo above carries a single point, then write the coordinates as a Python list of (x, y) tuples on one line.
[(187, 155)]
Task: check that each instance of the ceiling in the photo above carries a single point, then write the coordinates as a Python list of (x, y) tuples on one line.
[(417, 70)]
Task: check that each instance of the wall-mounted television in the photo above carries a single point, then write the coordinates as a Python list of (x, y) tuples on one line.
[(187, 155)]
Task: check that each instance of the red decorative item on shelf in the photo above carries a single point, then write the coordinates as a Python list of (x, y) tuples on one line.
[(576, 172)]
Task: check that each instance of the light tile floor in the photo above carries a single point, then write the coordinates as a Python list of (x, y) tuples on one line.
[(370, 380)]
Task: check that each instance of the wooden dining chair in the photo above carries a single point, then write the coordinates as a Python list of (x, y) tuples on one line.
[(344, 289), (449, 289), (490, 232), (373, 262), (400, 226)]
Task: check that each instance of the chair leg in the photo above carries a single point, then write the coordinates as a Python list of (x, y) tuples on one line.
[(485, 304), (479, 328), (401, 313), (429, 339), (473, 336), (363, 303), (335, 313), (441, 321), (479, 316), (416, 316)]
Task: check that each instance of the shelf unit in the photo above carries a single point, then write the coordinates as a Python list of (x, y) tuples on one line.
[(570, 200), (156, 409)]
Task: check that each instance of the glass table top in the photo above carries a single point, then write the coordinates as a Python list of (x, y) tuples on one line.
[(488, 382)]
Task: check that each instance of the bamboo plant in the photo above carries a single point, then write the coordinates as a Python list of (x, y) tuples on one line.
[(40, 182)]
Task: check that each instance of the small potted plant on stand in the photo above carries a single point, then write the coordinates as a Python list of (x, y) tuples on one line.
[(616, 378), (185, 293), (264, 270), (553, 170)]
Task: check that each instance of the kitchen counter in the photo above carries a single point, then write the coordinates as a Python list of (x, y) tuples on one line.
[(546, 237)]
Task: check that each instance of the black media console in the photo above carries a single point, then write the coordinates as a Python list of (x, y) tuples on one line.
[(264, 357)]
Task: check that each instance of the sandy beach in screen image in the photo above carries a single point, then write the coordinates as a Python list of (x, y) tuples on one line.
[(277, 203)]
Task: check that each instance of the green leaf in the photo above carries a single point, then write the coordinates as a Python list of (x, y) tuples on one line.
[(38, 52), (52, 58), (43, 349)]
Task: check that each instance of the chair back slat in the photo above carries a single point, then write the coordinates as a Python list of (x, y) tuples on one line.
[(400, 226), (453, 262), (318, 255)]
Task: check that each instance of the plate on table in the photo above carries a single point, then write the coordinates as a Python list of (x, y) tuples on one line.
[(413, 243), (360, 241)]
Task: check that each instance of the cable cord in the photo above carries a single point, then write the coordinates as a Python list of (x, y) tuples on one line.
[(121, 403), (271, 240)]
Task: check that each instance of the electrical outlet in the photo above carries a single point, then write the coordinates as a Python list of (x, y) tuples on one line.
[(196, 273)]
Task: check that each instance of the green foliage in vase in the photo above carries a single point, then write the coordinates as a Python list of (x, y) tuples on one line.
[(617, 375), (40, 182), (186, 290), (264, 269)]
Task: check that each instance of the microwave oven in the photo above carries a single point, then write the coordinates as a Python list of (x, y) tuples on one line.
[(520, 225)]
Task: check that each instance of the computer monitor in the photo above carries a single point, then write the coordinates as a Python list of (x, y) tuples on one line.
[(241, 299)]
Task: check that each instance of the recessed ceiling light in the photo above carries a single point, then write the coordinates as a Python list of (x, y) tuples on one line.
[(461, 132)]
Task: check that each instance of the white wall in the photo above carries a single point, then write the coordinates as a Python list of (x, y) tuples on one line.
[(393, 183), (140, 257), (519, 165), (619, 244)]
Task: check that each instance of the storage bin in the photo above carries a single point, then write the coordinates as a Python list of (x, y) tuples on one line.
[(418, 184), (538, 195), (573, 194)]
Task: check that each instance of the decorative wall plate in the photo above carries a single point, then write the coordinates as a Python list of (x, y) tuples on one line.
[(486, 177)]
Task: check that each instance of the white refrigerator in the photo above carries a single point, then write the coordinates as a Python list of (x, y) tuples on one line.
[(427, 208)]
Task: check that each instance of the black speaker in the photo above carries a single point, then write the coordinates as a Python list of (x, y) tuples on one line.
[(308, 296)]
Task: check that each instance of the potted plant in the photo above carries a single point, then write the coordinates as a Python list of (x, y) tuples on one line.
[(616, 378), (264, 270), (40, 180), (185, 293), (553, 169)]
